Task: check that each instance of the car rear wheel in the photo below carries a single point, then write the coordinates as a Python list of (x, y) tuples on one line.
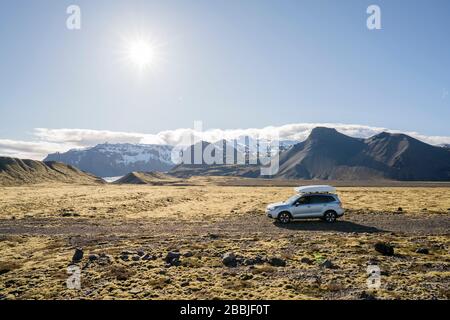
[(284, 217), (329, 216)]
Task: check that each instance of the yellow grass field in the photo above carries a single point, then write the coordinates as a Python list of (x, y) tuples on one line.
[(41, 225), (187, 202)]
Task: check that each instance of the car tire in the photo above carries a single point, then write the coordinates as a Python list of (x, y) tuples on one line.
[(284, 217), (329, 216)]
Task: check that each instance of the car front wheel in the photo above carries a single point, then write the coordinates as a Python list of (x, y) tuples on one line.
[(284, 217), (329, 216)]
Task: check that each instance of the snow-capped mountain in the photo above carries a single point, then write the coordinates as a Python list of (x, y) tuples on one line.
[(108, 160), (112, 160), (253, 146)]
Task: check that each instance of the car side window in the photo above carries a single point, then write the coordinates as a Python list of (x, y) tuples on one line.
[(317, 199), (304, 200), (321, 199)]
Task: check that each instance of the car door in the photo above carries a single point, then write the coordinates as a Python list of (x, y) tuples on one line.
[(320, 204), (302, 207)]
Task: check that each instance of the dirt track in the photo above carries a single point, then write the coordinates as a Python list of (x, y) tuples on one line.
[(239, 225)]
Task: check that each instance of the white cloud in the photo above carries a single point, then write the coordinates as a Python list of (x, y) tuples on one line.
[(60, 140), (26, 149)]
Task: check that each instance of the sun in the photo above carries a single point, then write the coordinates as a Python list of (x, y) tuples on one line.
[(141, 53)]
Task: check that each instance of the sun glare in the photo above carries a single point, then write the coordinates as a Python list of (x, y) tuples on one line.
[(141, 54)]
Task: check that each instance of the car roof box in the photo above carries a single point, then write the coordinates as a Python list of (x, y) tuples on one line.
[(315, 189)]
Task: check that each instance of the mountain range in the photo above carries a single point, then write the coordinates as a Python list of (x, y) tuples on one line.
[(111, 160), (325, 155), (329, 155)]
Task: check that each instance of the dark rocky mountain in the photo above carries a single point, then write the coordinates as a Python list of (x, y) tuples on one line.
[(110, 160), (329, 155), (18, 172)]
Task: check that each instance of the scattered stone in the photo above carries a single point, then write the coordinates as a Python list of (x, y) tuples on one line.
[(124, 257), (423, 250), (136, 258), (253, 261), (229, 259), (327, 264), (306, 260), (172, 259), (384, 248), (148, 256), (277, 262), (184, 283), (93, 257), (400, 209), (188, 254), (213, 236), (172, 255), (78, 255), (140, 253), (367, 296)]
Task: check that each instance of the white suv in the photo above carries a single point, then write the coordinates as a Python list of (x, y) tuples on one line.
[(325, 206)]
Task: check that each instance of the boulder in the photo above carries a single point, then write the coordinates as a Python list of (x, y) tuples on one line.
[(78, 255), (384, 248), (172, 259), (277, 262), (229, 259), (93, 257), (327, 264)]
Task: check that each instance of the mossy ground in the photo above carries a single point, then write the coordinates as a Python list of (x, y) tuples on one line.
[(203, 223)]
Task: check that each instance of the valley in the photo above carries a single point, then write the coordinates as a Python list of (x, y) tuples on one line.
[(128, 232)]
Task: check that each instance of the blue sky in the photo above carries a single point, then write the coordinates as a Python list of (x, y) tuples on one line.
[(232, 64)]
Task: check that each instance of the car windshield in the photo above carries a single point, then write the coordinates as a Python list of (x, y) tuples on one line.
[(292, 199)]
